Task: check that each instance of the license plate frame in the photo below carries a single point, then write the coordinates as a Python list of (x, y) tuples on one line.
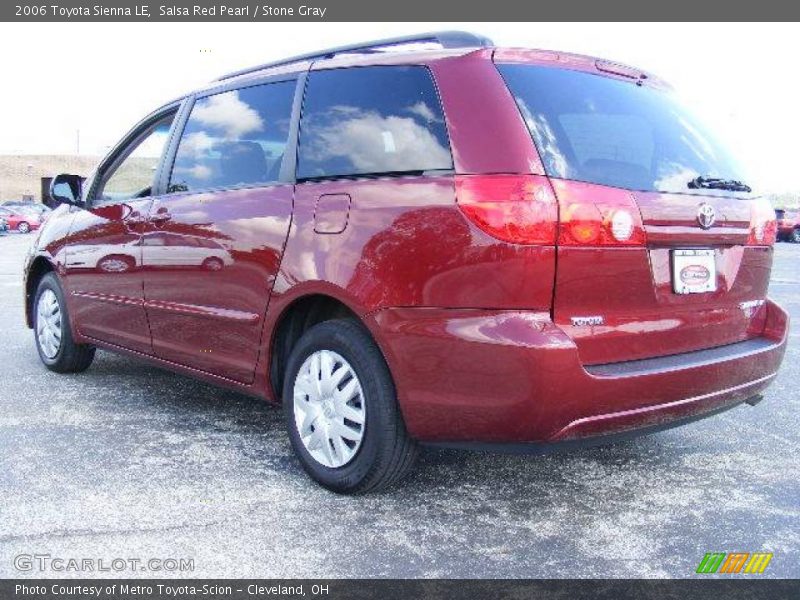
[(694, 271)]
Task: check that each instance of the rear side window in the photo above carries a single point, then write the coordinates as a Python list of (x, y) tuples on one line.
[(601, 130), (372, 121), (234, 139)]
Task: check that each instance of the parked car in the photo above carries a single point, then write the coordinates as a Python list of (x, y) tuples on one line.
[(467, 246), (155, 249), (38, 209), (26, 206), (788, 225), (19, 220)]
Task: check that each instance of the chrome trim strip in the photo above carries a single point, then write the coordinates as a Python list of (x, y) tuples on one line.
[(197, 310), (110, 298)]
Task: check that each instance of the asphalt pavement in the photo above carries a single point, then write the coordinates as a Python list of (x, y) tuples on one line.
[(129, 461)]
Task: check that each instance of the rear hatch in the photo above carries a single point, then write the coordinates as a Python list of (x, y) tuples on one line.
[(662, 247)]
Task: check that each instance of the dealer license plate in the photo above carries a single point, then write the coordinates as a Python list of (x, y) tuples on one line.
[(693, 271)]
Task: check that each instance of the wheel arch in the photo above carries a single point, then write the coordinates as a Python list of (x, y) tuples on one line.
[(40, 266), (296, 316)]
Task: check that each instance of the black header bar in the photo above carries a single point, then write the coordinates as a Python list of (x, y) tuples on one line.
[(407, 10)]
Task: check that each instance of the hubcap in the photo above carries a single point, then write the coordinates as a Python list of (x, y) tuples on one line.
[(48, 324), (114, 265), (329, 410)]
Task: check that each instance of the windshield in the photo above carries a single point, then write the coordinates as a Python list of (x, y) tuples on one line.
[(606, 131)]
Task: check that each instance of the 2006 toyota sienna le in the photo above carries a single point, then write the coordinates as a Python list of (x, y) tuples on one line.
[(424, 239)]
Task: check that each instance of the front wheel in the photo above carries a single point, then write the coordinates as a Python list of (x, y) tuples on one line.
[(23, 227), (341, 410), (54, 342), (796, 236)]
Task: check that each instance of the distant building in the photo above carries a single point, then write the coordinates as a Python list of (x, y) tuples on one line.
[(21, 175)]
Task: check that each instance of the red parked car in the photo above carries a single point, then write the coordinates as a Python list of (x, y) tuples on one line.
[(468, 246), (21, 221), (788, 225)]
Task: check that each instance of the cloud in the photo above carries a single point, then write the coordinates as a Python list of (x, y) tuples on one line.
[(360, 137), (196, 144), (228, 113), (423, 110)]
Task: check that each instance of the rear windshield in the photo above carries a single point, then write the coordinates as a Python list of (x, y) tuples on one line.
[(601, 130)]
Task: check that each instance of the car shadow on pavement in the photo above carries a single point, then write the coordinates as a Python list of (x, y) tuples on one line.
[(165, 400)]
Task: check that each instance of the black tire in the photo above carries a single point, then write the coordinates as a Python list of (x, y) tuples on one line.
[(795, 237), (71, 357), (386, 452), (213, 264), (23, 227)]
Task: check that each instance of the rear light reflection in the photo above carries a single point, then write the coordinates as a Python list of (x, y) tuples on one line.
[(763, 224)]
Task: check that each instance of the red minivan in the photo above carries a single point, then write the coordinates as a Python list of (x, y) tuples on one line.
[(425, 239)]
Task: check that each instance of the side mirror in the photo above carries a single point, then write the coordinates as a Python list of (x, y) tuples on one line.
[(67, 189)]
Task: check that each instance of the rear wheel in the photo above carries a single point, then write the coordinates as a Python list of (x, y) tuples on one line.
[(116, 264), (341, 410), (23, 227), (796, 236), (54, 342), (213, 264)]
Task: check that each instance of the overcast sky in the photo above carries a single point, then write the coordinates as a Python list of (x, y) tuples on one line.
[(102, 78)]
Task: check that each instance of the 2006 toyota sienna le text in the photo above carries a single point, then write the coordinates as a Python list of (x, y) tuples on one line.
[(424, 239)]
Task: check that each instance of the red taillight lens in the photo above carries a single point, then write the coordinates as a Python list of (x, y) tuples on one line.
[(594, 215), (520, 209), (763, 224)]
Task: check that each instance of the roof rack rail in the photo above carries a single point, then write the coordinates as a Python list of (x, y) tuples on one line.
[(447, 39)]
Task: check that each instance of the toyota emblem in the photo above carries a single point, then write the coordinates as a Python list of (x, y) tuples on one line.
[(706, 215)]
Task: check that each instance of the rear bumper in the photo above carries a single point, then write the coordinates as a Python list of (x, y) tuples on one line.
[(514, 377)]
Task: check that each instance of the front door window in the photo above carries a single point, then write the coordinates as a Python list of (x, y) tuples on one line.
[(133, 177)]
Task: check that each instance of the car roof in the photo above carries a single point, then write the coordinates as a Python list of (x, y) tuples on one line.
[(352, 59), (564, 60), (421, 49)]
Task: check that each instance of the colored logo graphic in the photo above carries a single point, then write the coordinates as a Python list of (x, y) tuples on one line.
[(734, 562)]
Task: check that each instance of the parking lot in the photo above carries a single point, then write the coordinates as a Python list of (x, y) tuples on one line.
[(127, 460)]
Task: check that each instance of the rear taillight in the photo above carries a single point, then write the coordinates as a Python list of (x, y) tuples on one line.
[(520, 209), (763, 224), (593, 215)]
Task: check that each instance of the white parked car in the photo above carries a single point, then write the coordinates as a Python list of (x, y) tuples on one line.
[(154, 250)]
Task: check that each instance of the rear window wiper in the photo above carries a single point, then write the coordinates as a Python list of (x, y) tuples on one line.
[(715, 183)]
